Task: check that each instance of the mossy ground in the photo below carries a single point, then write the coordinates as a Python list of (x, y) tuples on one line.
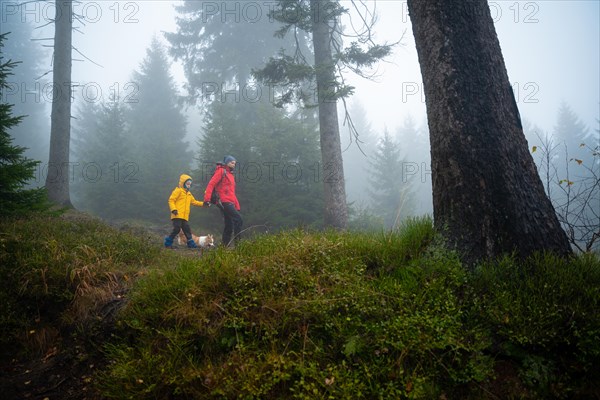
[(97, 312)]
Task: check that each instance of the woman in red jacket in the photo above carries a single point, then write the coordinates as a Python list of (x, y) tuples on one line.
[(223, 182)]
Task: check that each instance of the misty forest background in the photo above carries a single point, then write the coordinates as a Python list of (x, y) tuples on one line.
[(484, 300), (128, 149)]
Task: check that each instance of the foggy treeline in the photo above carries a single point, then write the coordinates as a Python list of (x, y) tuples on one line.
[(129, 149)]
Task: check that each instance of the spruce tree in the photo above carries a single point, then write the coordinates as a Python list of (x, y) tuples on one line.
[(277, 176), (322, 20), (357, 151), (26, 84), (570, 134), (15, 168), (157, 129), (575, 190), (101, 152), (214, 45), (416, 166), (391, 194)]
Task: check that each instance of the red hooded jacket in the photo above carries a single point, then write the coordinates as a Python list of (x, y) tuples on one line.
[(223, 182)]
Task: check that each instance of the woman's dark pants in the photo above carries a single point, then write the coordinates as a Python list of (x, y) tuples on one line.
[(233, 223)]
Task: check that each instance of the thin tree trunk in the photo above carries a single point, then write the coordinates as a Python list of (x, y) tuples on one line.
[(488, 198), (59, 174), (336, 211)]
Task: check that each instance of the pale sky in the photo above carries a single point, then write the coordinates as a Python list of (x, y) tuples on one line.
[(551, 50)]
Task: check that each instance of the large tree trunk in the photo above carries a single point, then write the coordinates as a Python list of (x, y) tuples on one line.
[(57, 180), (487, 196), (336, 211)]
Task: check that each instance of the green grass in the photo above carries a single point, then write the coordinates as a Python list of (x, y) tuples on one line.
[(545, 314), (61, 269), (310, 315)]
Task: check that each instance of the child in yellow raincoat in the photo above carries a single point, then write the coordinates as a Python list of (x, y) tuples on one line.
[(180, 203)]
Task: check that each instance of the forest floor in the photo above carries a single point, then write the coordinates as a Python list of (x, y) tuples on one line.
[(67, 362), (64, 372)]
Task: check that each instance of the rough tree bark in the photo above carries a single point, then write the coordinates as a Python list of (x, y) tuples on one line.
[(57, 179), (488, 199), (336, 210)]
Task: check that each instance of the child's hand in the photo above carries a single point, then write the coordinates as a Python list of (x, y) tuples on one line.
[(174, 212)]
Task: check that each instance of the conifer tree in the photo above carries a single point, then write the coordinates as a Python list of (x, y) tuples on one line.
[(391, 194), (102, 152), (357, 151), (277, 175), (15, 168), (213, 41), (156, 137), (569, 165), (570, 133), (322, 20), (575, 191), (416, 166), (26, 83)]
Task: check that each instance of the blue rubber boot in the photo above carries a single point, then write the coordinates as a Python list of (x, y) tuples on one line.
[(191, 244), (168, 242)]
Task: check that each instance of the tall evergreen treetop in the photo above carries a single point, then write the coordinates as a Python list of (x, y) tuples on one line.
[(157, 130), (221, 42), (102, 149), (570, 131), (390, 191)]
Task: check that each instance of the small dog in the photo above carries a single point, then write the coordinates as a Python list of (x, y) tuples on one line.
[(203, 242)]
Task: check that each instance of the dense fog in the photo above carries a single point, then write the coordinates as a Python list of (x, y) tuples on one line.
[(132, 136)]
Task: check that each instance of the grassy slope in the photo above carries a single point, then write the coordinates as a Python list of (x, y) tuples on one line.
[(300, 315)]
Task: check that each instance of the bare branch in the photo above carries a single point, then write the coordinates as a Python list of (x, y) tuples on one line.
[(43, 75), (45, 25), (87, 58), (578, 195)]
